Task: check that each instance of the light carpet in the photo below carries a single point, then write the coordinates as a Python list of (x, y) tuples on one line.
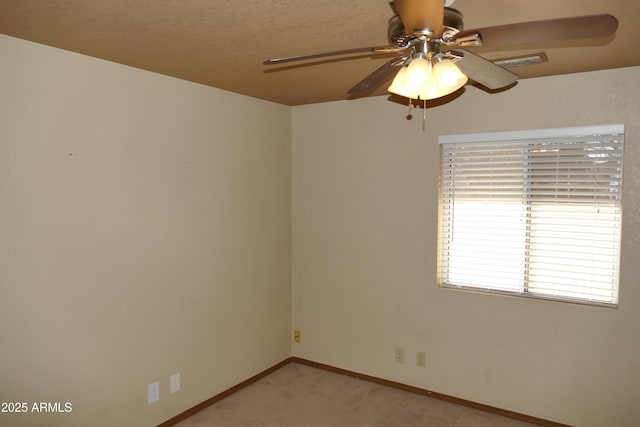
[(303, 396)]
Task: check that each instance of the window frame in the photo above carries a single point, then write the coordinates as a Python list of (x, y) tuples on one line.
[(528, 135)]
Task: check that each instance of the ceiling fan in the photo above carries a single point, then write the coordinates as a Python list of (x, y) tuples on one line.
[(432, 46)]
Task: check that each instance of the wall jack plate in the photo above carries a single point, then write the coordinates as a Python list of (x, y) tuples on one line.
[(296, 336), (174, 383), (154, 392)]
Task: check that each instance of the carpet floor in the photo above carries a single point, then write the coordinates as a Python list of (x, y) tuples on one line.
[(302, 396)]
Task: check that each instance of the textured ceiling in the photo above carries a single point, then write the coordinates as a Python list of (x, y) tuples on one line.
[(222, 43)]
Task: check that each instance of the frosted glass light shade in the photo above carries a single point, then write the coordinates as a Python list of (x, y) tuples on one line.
[(396, 84), (448, 77), (414, 81), (421, 80)]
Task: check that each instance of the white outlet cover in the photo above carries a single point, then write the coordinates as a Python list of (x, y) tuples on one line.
[(154, 392), (174, 383)]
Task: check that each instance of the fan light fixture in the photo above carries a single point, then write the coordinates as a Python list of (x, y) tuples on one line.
[(428, 77)]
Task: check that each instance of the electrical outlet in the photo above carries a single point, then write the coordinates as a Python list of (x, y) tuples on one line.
[(399, 355), (154, 392), (296, 335), (174, 383), (421, 359)]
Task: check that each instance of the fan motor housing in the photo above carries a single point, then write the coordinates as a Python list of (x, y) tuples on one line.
[(398, 37)]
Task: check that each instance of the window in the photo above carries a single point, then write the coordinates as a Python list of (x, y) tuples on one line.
[(532, 213)]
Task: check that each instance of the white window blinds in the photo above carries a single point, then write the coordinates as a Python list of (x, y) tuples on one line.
[(533, 213)]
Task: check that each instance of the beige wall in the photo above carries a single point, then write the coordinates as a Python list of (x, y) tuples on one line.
[(364, 212), (144, 230)]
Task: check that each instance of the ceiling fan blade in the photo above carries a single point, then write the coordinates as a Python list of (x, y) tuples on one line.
[(483, 71), (419, 15), (580, 27), (378, 76), (374, 49)]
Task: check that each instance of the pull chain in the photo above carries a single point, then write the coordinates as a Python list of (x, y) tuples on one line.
[(409, 115), (424, 114)]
